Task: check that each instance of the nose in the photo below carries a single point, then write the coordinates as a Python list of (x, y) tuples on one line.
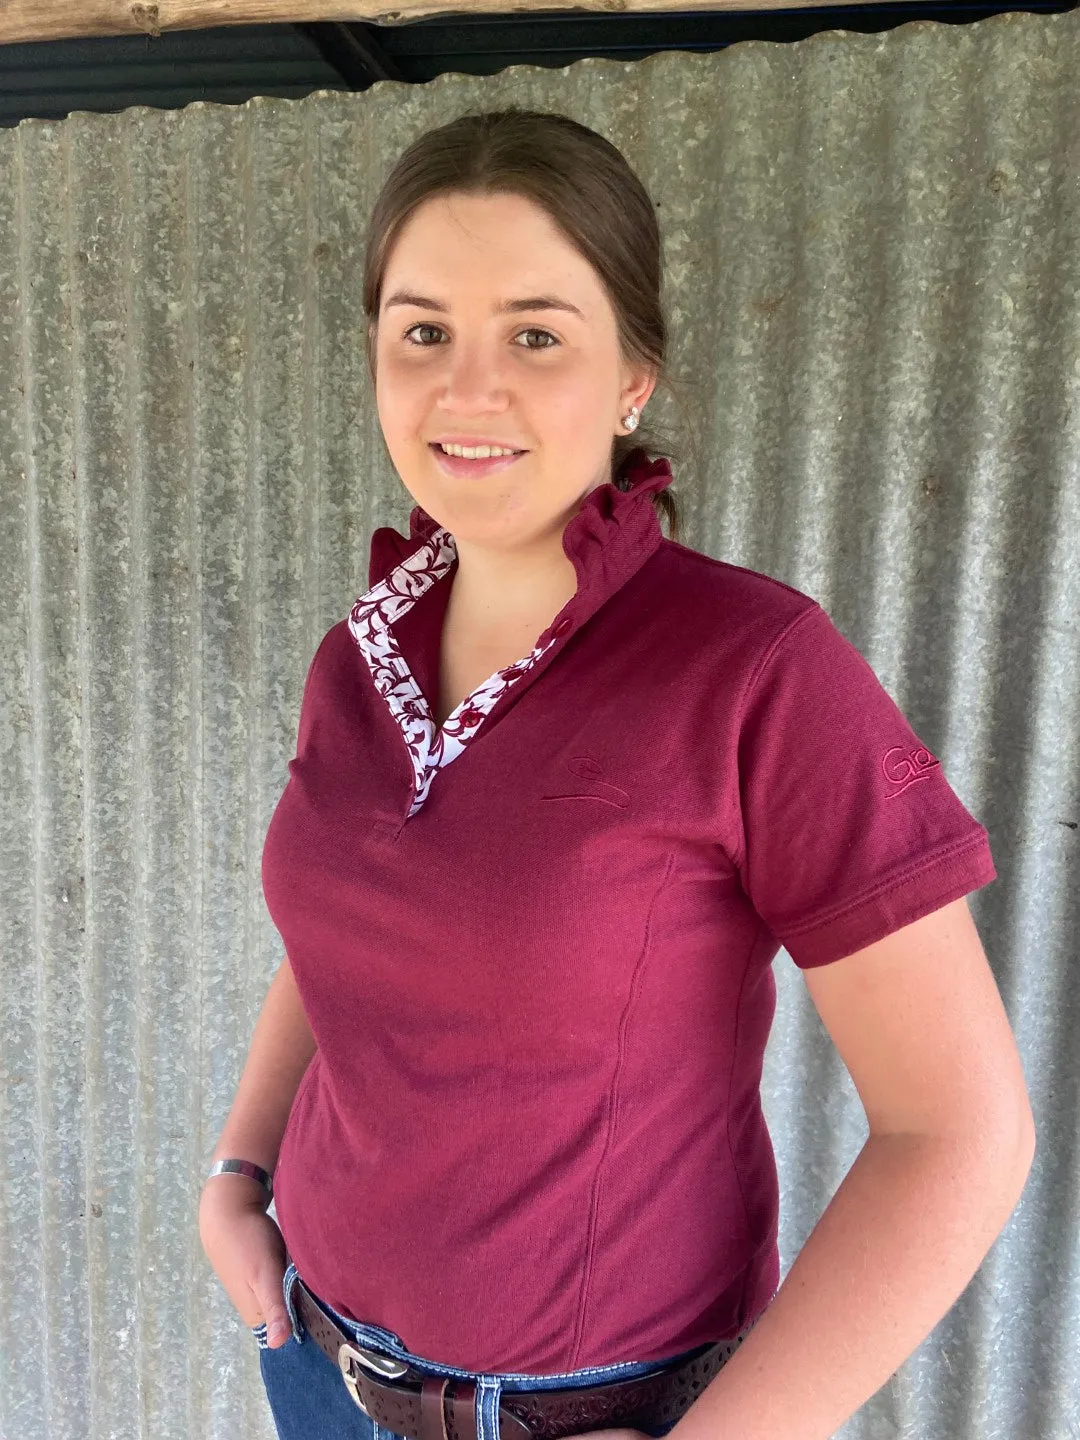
[(475, 379)]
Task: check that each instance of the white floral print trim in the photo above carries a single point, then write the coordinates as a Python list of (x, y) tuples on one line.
[(370, 620)]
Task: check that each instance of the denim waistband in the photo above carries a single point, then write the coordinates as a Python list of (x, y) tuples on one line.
[(489, 1385)]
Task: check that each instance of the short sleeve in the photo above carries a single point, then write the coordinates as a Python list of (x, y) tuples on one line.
[(850, 829)]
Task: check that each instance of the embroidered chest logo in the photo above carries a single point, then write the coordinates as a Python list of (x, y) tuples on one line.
[(903, 768), (595, 787)]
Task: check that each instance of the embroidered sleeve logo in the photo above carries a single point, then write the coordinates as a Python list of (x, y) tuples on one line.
[(903, 768)]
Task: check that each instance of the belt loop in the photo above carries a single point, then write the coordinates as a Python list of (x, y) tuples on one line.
[(288, 1282), (488, 1394)]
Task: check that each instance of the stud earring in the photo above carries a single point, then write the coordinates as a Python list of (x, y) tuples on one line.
[(631, 420)]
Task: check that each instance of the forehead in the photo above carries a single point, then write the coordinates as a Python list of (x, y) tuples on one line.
[(505, 246)]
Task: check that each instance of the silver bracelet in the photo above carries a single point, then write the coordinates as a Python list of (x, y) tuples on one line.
[(244, 1167)]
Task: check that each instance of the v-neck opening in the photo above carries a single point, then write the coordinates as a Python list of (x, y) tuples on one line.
[(392, 601), (419, 631)]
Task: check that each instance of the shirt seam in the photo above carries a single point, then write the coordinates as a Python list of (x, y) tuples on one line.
[(612, 1118), (727, 1104), (744, 701), (891, 881)]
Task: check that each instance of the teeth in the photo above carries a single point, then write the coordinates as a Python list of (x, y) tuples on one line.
[(478, 452)]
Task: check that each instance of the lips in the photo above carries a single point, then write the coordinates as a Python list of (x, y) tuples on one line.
[(458, 465)]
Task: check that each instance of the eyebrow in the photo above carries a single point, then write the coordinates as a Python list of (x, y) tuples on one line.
[(508, 307)]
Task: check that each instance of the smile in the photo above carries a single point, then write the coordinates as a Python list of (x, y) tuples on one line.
[(458, 465)]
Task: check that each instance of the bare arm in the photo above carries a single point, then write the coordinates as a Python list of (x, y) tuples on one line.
[(281, 1049), (919, 1023)]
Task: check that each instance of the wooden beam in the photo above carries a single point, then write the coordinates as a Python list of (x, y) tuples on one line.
[(22, 20)]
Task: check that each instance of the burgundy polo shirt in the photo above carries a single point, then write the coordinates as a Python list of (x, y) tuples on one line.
[(536, 950)]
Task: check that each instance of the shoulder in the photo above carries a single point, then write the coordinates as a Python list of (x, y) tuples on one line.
[(694, 572), (334, 649), (697, 591)]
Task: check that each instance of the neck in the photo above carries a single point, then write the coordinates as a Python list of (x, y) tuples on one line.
[(496, 591)]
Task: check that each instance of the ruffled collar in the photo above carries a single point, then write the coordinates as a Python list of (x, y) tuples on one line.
[(613, 533)]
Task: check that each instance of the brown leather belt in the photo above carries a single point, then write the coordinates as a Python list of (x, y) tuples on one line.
[(429, 1407)]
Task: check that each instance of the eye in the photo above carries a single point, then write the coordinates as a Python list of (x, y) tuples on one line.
[(532, 330)]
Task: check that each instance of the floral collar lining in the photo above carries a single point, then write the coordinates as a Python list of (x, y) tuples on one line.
[(430, 747)]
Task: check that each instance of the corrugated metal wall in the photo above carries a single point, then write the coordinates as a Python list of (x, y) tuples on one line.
[(873, 245)]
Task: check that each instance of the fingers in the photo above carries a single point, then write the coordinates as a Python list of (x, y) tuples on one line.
[(275, 1321)]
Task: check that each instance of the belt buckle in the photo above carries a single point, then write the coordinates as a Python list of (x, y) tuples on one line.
[(384, 1366)]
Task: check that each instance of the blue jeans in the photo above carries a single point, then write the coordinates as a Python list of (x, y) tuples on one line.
[(309, 1399)]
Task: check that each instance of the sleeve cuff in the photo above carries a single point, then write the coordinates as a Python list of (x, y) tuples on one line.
[(906, 896)]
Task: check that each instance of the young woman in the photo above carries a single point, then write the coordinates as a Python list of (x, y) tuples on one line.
[(562, 789)]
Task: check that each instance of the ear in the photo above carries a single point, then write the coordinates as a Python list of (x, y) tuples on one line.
[(638, 386)]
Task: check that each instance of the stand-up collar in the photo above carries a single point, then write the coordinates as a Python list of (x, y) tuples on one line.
[(607, 540)]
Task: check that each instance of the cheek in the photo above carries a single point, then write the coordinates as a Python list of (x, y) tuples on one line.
[(399, 398), (575, 392)]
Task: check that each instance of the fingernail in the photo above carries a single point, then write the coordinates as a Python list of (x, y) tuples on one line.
[(278, 1330)]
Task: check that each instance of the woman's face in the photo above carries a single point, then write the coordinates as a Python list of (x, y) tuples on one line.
[(545, 380)]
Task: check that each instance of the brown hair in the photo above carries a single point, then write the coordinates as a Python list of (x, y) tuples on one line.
[(586, 186)]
